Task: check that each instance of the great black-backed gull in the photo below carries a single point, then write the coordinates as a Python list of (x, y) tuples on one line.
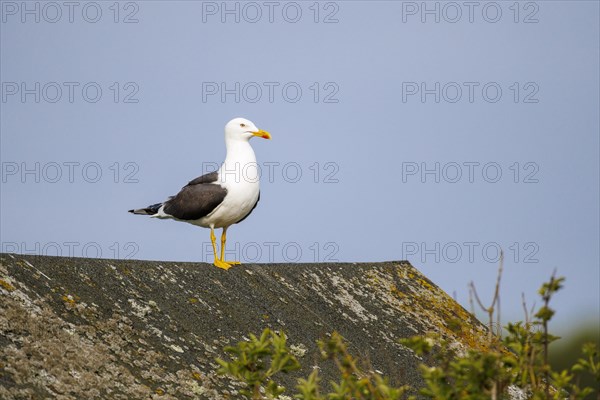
[(222, 198)]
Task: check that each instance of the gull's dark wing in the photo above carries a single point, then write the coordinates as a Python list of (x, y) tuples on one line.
[(197, 199), (211, 177)]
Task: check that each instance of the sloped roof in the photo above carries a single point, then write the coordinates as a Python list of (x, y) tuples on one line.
[(132, 329)]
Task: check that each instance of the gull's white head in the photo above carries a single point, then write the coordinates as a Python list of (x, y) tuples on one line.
[(243, 129)]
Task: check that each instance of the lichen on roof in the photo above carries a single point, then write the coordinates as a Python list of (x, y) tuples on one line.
[(96, 328)]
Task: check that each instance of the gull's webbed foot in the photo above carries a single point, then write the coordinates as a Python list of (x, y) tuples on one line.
[(222, 264)]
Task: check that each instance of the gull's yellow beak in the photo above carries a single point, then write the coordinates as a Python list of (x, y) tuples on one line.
[(262, 134)]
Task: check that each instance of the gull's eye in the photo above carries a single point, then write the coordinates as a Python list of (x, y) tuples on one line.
[(243, 125)]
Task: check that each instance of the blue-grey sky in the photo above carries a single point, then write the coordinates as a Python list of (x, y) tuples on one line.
[(436, 132)]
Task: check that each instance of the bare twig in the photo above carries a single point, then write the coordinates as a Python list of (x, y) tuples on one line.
[(524, 304), (495, 301), (471, 303), (546, 297), (495, 305), (498, 322)]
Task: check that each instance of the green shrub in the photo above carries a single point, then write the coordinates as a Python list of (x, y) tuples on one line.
[(257, 360), (515, 363)]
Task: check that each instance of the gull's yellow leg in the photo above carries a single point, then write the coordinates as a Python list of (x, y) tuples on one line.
[(223, 239), (218, 263)]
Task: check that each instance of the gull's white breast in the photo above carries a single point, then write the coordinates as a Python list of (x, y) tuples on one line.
[(243, 188)]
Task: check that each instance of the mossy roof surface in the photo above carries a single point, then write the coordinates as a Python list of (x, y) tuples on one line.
[(100, 328)]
